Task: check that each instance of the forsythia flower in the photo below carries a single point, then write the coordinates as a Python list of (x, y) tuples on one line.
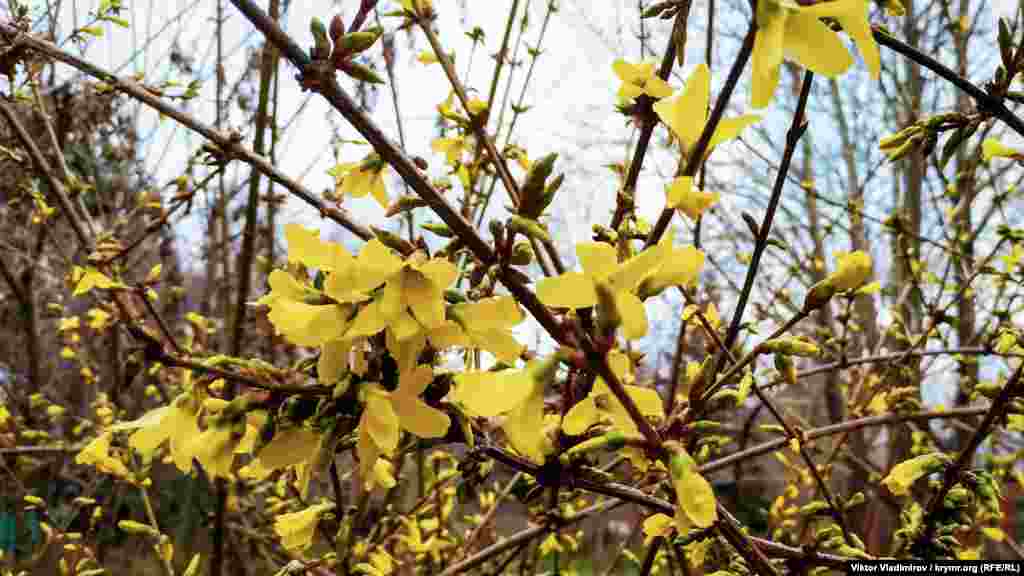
[(602, 271), (686, 113), (427, 57), (789, 29), (297, 529), (682, 195), (176, 423), (485, 324), (696, 503), (656, 525), (357, 179), (97, 454), (387, 413), (601, 404), (517, 393), (853, 270), (992, 148), (903, 475), (639, 79)]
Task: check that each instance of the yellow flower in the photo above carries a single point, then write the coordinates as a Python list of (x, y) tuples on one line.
[(85, 279), (681, 268), (68, 324), (601, 405), (686, 113), (485, 324), (381, 563), (357, 179), (517, 393), (386, 414), (98, 318), (695, 498), (176, 423), (690, 201), (903, 475), (476, 106), (853, 270), (992, 148), (657, 525), (433, 545), (601, 270), (97, 454), (452, 148), (639, 79), (413, 295), (789, 29), (215, 448), (427, 57), (297, 529)]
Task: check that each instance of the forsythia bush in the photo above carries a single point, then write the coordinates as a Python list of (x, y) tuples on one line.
[(413, 414)]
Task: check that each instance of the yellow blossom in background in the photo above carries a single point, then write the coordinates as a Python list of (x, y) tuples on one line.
[(85, 279), (68, 324), (176, 423), (98, 318), (657, 525), (686, 113), (602, 271), (639, 79), (380, 564), (427, 57), (681, 268), (297, 529), (97, 454), (682, 195), (992, 148), (853, 270), (357, 179), (452, 148)]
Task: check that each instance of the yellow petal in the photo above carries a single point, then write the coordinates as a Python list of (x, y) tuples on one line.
[(488, 394), (524, 425), (288, 448), (424, 298), (379, 420), (655, 526), (729, 128), (304, 245), (695, 498), (633, 315), (686, 113), (598, 259), (297, 529), (815, 46), (333, 361), (307, 324), (419, 418), (992, 148), (581, 417), (768, 52), (501, 343), (570, 290), (852, 15), (377, 263), (682, 195)]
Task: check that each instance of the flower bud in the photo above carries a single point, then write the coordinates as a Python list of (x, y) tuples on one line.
[(337, 29)]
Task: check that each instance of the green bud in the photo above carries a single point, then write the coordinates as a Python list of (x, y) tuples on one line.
[(393, 241), (528, 227), (440, 229), (405, 204), (138, 528), (532, 192), (322, 46), (193, 566), (1005, 43), (522, 254), (360, 72), (791, 346), (818, 296), (356, 42)]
